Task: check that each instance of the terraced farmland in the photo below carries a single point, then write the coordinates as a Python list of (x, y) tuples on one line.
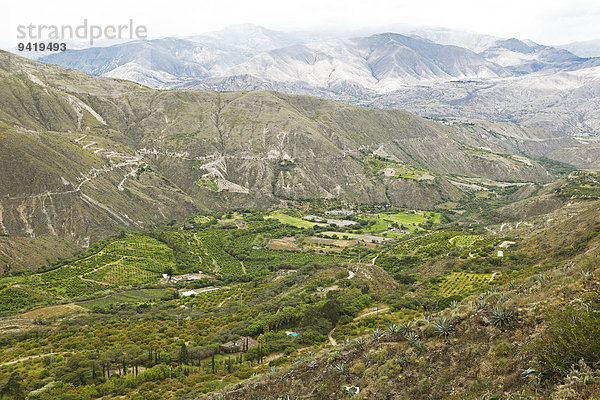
[(132, 260), (439, 243), (463, 282), (121, 275)]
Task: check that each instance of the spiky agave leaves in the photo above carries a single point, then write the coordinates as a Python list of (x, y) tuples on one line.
[(404, 327), (412, 337), (541, 278), (502, 297), (481, 304), (531, 374), (360, 343), (501, 316), (587, 276), (340, 368), (377, 334), (442, 327), (272, 372)]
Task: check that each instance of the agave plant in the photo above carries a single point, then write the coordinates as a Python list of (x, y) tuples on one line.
[(313, 364), (272, 371), (393, 328), (586, 276), (376, 334), (531, 374), (404, 328), (359, 343), (425, 318), (541, 277), (501, 316), (442, 327), (481, 304), (340, 368), (453, 304), (501, 298), (420, 346), (402, 361), (412, 337)]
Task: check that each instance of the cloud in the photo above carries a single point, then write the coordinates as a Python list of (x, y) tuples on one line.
[(549, 21)]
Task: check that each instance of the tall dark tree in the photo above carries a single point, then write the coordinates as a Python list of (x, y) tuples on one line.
[(183, 356), (11, 388)]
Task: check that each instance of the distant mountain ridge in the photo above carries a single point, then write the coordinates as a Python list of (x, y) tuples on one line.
[(162, 62), (434, 72), (379, 63), (588, 48)]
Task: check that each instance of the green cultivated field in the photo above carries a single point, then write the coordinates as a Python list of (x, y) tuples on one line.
[(133, 296), (132, 260), (463, 282), (403, 171), (411, 221), (439, 242), (294, 221)]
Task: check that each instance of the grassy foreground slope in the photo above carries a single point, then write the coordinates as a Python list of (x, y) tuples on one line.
[(534, 336), (431, 314)]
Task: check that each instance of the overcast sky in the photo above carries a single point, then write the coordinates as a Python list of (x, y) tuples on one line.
[(546, 22)]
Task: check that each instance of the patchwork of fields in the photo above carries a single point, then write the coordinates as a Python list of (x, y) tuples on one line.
[(236, 247)]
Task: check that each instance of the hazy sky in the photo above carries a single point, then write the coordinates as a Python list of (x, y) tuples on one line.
[(547, 22)]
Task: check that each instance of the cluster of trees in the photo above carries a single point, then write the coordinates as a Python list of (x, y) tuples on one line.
[(313, 318)]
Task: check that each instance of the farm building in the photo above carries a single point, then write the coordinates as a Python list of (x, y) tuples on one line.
[(242, 344)]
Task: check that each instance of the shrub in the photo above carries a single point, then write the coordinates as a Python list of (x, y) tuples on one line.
[(359, 343), (340, 368), (376, 334), (289, 350), (358, 368), (481, 304), (412, 337), (571, 335)]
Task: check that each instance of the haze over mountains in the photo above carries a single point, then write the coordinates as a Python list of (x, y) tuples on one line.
[(161, 63), (588, 48), (433, 72)]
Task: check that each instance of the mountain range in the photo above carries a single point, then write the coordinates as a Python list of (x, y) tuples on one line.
[(588, 48), (84, 156), (435, 234), (432, 72), (161, 63)]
